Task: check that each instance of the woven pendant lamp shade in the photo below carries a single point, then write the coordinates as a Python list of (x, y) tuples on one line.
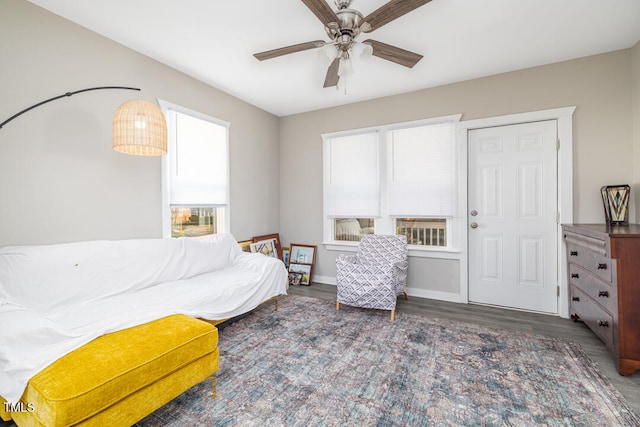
[(139, 128)]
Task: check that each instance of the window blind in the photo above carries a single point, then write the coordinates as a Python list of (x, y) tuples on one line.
[(198, 162), (422, 172), (353, 187)]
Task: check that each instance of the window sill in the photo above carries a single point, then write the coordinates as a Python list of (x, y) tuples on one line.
[(414, 251)]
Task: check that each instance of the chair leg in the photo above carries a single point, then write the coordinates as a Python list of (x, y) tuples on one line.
[(337, 305), (406, 296), (213, 388), (393, 315)]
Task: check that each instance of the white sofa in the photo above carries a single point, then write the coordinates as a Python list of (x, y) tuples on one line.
[(56, 298)]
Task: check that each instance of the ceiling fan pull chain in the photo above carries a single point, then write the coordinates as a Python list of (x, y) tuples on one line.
[(342, 84)]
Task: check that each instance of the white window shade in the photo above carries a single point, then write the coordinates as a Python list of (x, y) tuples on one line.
[(353, 187), (422, 172), (199, 166)]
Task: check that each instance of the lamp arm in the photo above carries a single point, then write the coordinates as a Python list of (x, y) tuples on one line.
[(62, 96)]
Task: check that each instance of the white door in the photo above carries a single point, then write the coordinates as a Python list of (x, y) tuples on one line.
[(512, 216)]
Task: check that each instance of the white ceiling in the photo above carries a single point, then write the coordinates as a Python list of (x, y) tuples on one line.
[(214, 41)]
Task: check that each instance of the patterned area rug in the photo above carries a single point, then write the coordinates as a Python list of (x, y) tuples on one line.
[(308, 365)]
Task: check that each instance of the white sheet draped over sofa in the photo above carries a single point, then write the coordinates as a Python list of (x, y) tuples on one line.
[(55, 298)]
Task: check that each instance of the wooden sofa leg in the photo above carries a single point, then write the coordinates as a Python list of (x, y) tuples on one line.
[(393, 315), (276, 303), (337, 305), (213, 387)]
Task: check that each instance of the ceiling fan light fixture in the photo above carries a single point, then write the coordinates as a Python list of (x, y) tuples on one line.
[(328, 53), (346, 67), (362, 51)]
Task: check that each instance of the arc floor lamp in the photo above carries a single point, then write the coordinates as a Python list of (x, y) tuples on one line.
[(138, 127)]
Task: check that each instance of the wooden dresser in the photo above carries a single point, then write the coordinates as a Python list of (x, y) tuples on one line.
[(604, 286)]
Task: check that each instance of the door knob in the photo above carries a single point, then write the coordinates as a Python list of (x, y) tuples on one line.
[(474, 225), (474, 213)]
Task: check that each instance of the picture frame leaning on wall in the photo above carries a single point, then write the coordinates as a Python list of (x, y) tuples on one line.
[(275, 239), (265, 247), (302, 254), (304, 270), (245, 245), (302, 259)]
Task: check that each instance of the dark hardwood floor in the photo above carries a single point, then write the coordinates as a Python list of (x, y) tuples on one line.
[(493, 317), (500, 318)]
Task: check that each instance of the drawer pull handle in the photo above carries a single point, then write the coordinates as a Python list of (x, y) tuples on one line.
[(603, 323), (604, 294), (602, 266), (574, 253), (575, 299), (575, 276)]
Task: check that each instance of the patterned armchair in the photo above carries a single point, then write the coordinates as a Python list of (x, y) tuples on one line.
[(376, 275)]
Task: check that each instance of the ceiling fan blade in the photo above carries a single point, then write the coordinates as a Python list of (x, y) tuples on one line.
[(387, 13), (332, 74), (321, 9), (289, 49), (394, 54)]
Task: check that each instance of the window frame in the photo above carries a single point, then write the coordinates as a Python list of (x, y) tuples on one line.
[(166, 108), (386, 224)]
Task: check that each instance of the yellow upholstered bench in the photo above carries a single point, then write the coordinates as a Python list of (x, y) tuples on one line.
[(119, 378)]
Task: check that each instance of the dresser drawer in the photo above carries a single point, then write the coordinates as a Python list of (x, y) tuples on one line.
[(598, 320), (601, 292), (596, 263)]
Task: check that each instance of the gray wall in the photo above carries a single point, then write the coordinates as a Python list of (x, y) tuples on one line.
[(600, 87), (60, 180)]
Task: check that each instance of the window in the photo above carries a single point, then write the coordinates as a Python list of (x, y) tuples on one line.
[(352, 229), (353, 185), (195, 174), (423, 231), (397, 179), (193, 221)]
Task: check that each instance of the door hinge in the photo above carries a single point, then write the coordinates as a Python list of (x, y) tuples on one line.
[(558, 288), (558, 144)]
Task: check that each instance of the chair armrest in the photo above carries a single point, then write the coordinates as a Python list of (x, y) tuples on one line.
[(402, 268), (397, 269)]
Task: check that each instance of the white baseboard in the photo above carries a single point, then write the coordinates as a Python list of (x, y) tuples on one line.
[(435, 295), (327, 280), (412, 292)]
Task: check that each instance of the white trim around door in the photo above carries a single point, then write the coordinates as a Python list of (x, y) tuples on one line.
[(564, 117)]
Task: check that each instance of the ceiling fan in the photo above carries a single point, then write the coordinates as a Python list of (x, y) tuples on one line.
[(343, 27)]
